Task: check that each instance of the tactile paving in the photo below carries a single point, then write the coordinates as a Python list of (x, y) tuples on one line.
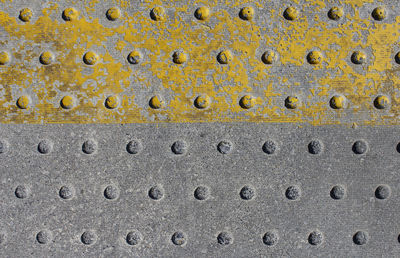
[(178, 190), (199, 128), (317, 62)]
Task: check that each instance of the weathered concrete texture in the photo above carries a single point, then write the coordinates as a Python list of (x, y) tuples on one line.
[(59, 201), (157, 61)]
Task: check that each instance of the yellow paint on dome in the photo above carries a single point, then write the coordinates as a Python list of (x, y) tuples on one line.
[(70, 14), (113, 13), (224, 57), (134, 57), (202, 102), (335, 13), (337, 102), (247, 101), (381, 102), (269, 57), (379, 13), (90, 58), (4, 58), (314, 57), (25, 14), (46, 57), (156, 102), (247, 13), (23, 102), (67, 102), (158, 13), (202, 13), (179, 57), (291, 13), (291, 102), (112, 102), (358, 57)]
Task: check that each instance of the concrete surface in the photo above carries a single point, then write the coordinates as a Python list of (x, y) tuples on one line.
[(200, 203)]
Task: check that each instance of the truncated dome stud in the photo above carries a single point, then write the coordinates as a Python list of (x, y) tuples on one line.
[(70, 14), (134, 57), (247, 13), (23, 102), (290, 13), (291, 102), (202, 102), (269, 57), (202, 13), (225, 57), (113, 13), (379, 13), (90, 58), (337, 102), (247, 102), (381, 102), (25, 15), (156, 102), (67, 102), (46, 58), (158, 13), (335, 13), (358, 57), (314, 57), (4, 57)]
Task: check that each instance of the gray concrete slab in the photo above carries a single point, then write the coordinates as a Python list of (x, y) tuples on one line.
[(199, 203)]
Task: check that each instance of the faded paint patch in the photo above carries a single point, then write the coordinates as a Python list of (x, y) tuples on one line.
[(178, 58)]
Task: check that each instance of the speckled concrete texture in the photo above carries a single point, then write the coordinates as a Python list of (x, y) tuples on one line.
[(134, 196)]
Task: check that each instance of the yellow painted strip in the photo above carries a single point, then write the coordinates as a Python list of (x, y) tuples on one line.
[(203, 61)]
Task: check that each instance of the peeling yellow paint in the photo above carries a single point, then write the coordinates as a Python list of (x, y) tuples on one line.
[(207, 61)]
